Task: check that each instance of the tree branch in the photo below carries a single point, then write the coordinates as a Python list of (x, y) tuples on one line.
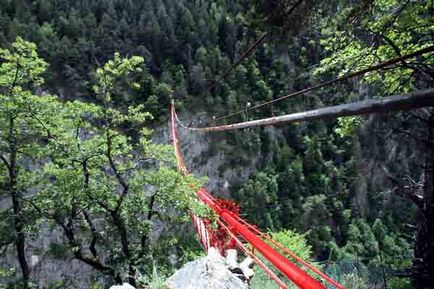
[(398, 130), (7, 243), (78, 254), (6, 246), (92, 246), (398, 52), (5, 161), (118, 175), (408, 192), (149, 216)]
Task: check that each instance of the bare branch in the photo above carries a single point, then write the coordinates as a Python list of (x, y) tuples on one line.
[(78, 254), (5, 161), (398, 130), (5, 247), (405, 191)]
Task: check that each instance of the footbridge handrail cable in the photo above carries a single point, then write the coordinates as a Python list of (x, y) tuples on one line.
[(333, 81), (294, 273), (409, 101)]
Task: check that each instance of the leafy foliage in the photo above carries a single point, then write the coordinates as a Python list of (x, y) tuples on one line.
[(103, 185), (289, 239)]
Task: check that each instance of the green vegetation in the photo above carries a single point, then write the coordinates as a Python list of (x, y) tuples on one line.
[(294, 242), (83, 82), (88, 166)]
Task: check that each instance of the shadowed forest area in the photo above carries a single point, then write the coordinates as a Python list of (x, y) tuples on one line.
[(90, 194)]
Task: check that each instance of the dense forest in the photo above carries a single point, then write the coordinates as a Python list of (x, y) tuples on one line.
[(88, 189)]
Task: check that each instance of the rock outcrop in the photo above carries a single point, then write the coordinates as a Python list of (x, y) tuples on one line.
[(123, 286), (212, 272)]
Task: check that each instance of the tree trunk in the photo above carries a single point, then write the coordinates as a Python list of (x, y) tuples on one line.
[(120, 225), (20, 237), (423, 262)]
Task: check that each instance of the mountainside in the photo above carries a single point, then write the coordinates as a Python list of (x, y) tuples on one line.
[(344, 184)]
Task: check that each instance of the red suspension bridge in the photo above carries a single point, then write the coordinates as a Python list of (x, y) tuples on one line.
[(234, 232)]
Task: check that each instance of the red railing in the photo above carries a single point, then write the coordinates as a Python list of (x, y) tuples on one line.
[(235, 227)]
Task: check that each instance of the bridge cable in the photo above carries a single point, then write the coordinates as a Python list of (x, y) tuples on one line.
[(334, 81), (234, 227), (413, 100)]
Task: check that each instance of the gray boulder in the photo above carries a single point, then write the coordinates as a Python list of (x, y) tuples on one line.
[(210, 272), (123, 286)]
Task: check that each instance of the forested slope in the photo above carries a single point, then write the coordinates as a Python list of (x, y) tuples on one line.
[(336, 181)]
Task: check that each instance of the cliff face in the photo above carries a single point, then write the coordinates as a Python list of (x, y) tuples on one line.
[(49, 265), (226, 159)]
